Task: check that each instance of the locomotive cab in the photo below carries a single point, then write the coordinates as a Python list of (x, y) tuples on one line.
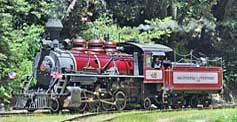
[(153, 66), (147, 54)]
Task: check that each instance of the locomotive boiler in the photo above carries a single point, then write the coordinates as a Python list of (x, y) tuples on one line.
[(98, 75)]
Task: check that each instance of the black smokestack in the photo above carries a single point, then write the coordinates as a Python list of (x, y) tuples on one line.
[(54, 27)]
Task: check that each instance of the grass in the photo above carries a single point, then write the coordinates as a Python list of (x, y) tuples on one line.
[(36, 118), (217, 115), (214, 115)]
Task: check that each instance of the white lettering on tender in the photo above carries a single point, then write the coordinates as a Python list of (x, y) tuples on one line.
[(195, 77)]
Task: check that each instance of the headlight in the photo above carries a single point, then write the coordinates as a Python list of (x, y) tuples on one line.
[(42, 67)]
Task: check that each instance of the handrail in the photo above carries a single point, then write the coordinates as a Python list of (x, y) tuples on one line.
[(192, 59)]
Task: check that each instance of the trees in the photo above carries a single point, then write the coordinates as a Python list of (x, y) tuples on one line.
[(19, 40), (206, 26), (105, 24)]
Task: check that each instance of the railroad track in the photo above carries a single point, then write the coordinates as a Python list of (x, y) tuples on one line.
[(23, 112), (88, 115), (141, 111), (13, 113)]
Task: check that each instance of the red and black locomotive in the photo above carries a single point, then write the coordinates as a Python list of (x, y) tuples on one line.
[(102, 75)]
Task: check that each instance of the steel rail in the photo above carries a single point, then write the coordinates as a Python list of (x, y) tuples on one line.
[(141, 111)]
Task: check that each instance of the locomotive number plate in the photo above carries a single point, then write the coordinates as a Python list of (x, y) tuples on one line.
[(153, 74)]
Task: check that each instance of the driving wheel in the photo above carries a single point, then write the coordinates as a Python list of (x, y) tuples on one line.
[(147, 103), (120, 100)]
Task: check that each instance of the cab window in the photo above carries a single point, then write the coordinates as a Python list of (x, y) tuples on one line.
[(148, 60)]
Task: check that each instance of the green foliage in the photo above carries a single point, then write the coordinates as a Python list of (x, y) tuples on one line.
[(5, 94), (191, 27), (135, 12), (57, 9), (22, 45), (159, 28), (214, 115), (105, 24), (230, 23), (19, 40), (25, 43), (195, 9)]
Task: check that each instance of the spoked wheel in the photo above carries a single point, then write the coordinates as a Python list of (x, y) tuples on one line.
[(31, 110), (106, 105), (147, 103), (79, 109), (30, 106), (165, 101), (93, 104), (206, 103), (177, 103), (181, 103), (82, 106), (158, 103), (107, 101), (55, 106), (120, 100)]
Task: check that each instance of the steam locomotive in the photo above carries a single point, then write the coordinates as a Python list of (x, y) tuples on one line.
[(102, 75)]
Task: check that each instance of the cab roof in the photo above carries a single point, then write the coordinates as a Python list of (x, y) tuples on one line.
[(151, 47)]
